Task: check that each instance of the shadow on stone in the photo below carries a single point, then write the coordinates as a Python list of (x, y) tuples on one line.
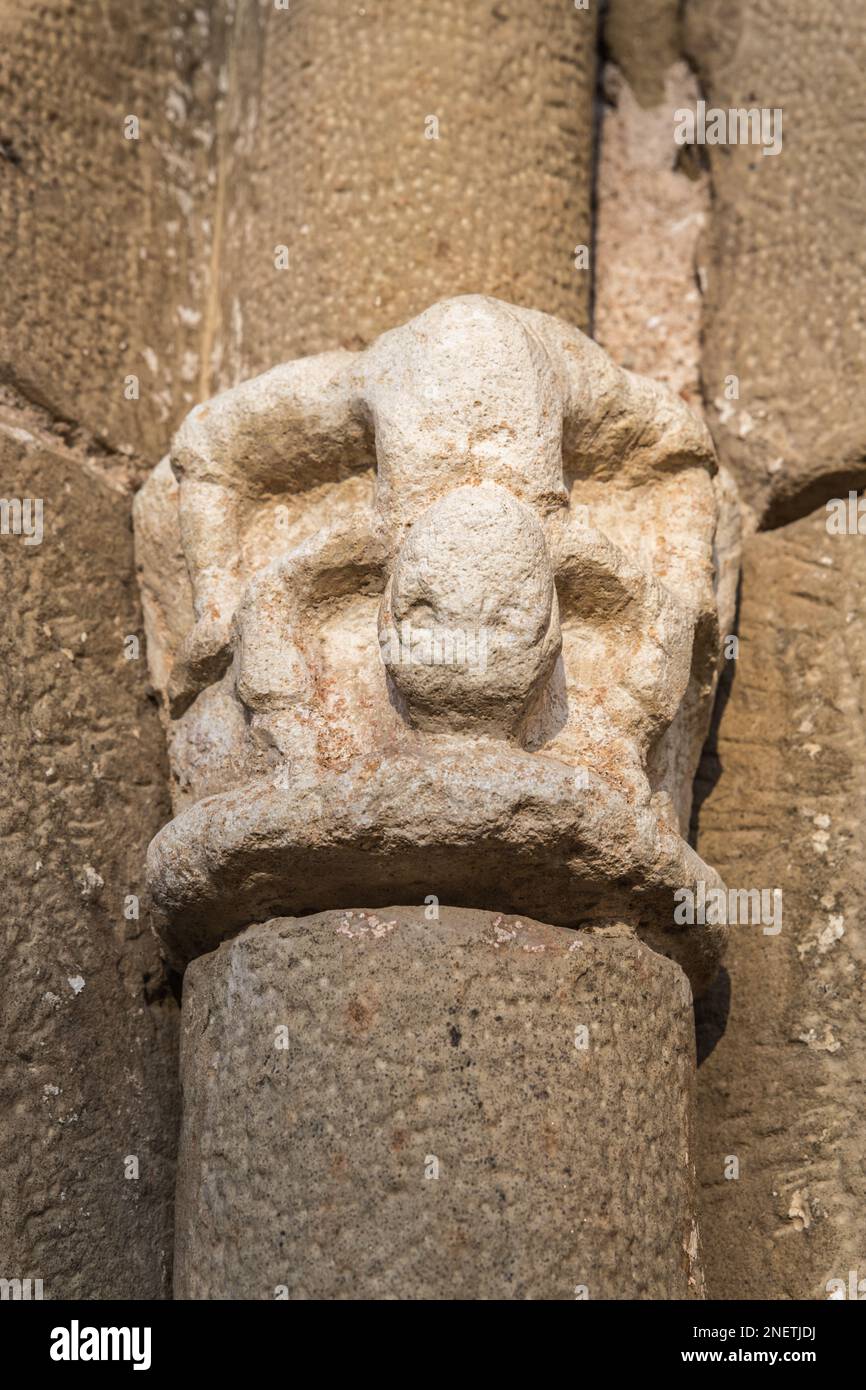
[(710, 766), (711, 1014)]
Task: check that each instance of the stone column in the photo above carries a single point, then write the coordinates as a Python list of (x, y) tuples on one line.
[(784, 266), (397, 152), (437, 623), (784, 261), (378, 1105), (782, 804)]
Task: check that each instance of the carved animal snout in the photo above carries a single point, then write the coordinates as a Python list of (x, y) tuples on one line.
[(469, 625)]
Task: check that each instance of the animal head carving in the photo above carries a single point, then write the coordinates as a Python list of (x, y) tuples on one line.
[(442, 616)]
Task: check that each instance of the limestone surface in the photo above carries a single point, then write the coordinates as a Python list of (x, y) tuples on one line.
[(783, 802), (106, 251), (107, 212), (397, 152), (784, 259), (88, 1023), (439, 617), (653, 201), (378, 1105)]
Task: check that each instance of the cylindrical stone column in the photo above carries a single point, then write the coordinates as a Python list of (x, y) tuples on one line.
[(377, 1105), (399, 153)]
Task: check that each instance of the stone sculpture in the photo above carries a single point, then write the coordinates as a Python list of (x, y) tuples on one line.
[(441, 617)]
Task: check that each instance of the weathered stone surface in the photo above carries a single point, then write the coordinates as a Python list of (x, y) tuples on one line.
[(88, 1025), (652, 202), (413, 1043), (322, 151), (643, 38), (106, 254), (483, 477), (782, 805), (785, 258), (107, 240)]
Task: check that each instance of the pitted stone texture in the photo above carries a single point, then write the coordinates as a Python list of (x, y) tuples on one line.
[(323, 152), (89, 1027), (785, 259), (653, 201), (784, 805), (415, 1043), (456, 601), (106, 239)]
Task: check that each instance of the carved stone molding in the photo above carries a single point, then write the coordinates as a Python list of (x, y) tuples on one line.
[(439, 617)]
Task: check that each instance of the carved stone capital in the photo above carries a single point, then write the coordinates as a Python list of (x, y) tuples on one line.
[(439, 617)]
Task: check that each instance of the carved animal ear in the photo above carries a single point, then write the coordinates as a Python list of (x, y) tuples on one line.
[(301, 424), (616, 424)]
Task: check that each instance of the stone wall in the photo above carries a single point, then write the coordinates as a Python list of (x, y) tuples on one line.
[(190, 195), (104, 281)]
